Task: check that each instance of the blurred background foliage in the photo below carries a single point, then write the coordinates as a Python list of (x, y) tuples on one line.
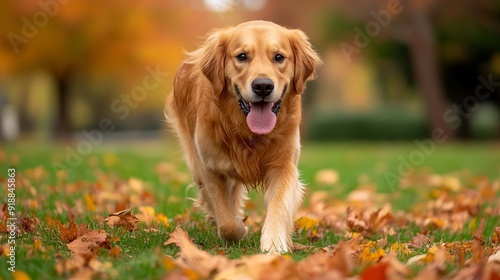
[(393, 68)]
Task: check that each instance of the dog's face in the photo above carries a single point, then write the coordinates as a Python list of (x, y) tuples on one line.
[(258, 63)]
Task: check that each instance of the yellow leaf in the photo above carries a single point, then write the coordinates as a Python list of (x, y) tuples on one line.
[(400, 248), (430, 254), (89, 202), (368, 256), (37, 245), (162, 219), (305, 223), (147, 210), (20, 275)]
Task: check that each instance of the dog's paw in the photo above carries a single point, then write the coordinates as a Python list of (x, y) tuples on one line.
[(233, 232), (274, 246)]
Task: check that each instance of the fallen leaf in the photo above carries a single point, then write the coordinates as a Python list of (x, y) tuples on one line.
[(89, 203), (20, 275), (194, 258), (420, 240), (27, 224), (367, 256), (479, 255), (68, 234), (416, 259), (375, 272), (305, 223), (146, 214), (301, 247), (122, 219), (87, 242), (115, 252), (495, 257), (495, 236), (36, 247), (162, 219)]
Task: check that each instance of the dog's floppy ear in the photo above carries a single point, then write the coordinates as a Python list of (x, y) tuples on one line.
[(306, 59), (211, 58)]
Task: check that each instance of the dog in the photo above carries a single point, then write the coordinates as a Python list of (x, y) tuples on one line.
[(236, 108)]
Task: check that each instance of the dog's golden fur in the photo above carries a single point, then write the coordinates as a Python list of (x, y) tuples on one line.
[(223, 154)]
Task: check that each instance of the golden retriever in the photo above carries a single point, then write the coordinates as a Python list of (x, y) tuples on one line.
[(236, 107)]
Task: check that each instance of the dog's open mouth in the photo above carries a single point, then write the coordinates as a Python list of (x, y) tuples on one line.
[(261, 116), (246, 107)]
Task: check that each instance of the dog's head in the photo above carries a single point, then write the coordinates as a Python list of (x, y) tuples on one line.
[(257, 63)]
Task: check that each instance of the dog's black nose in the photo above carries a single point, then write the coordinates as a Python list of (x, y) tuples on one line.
[(262, 86)]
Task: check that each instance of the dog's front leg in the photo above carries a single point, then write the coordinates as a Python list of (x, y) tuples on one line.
[(218, 190), (282, 197)]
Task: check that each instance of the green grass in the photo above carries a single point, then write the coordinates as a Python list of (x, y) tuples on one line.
[(141, 257)]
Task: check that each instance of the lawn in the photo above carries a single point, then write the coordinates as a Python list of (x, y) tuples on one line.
[(397, 209)]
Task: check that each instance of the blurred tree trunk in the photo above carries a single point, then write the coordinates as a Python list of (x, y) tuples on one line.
[(63, 125), (422, 48)]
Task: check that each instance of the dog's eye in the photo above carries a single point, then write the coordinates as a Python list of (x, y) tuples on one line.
[(242, 57), (279, 58)]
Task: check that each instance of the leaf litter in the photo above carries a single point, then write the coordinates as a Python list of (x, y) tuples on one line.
[(376, 241)]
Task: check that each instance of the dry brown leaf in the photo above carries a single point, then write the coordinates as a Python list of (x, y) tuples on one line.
[(495, 257), (68, 234), (302, 247), (192, 257), (258, 267), (437, 268), (122, 219), (355, 222), (420, 240), (27, 224), (495, 236), (87, 242), (479, 255), (337, 263)]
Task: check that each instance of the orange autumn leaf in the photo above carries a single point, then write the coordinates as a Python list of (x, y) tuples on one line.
[(375, 272), (52, 223), (115, 252), (20, 275), (68, 234)]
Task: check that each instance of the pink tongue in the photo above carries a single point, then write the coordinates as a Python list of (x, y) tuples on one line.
[(261, 119)]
